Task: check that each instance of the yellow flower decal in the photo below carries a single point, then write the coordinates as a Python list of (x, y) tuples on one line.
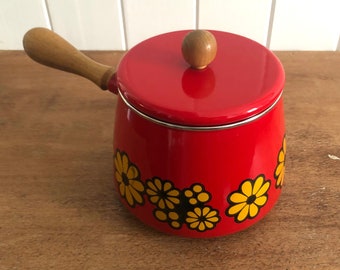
[(247, 201), (171, 205), (177, 207), (172, 217), (196, 194), (280, 168), (128, 178), (201, 219), (162, 193)]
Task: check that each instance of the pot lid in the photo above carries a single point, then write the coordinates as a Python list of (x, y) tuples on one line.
[(243, 80)]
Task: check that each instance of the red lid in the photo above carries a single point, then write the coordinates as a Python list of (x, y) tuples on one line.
[(243, 80)]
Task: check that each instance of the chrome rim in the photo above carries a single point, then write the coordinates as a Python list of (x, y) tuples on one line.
[(199, 128)]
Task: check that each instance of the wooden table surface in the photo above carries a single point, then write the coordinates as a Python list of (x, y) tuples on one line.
[(59, 209)]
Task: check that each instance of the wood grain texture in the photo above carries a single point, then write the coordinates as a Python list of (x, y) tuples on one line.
[(59, 209), (50, 49), (199, 48)]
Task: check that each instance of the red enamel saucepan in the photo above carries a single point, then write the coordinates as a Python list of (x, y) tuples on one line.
[(199, 138)]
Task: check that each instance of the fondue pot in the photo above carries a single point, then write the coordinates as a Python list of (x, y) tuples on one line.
[(199, 139)]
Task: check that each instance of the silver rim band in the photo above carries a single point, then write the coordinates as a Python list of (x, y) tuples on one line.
[(200, 128)]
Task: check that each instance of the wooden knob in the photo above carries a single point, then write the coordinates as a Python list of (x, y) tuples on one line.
[(199, 48)]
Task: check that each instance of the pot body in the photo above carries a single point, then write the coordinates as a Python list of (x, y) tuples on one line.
[(199, 183)]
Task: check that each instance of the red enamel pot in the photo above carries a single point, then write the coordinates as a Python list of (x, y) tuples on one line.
[(199, 139)]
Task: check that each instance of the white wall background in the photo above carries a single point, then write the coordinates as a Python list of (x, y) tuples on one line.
[(120, 24)]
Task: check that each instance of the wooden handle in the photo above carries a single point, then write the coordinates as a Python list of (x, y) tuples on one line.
[(48, 48), (199, 48)]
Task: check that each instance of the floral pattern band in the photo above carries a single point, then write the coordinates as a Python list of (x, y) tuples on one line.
[(190, 206), (178, 207), (281, 164)]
